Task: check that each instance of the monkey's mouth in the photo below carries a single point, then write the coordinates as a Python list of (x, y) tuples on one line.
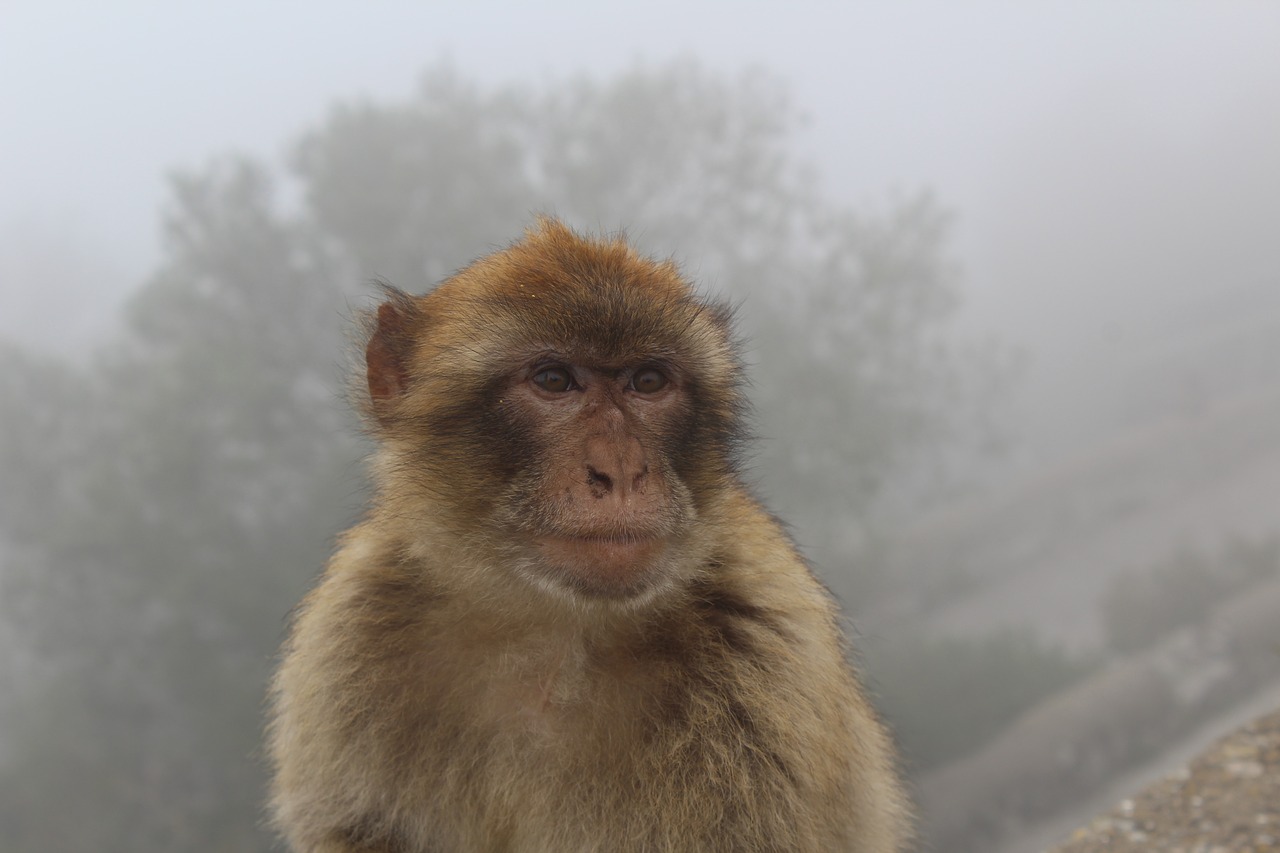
[(601, 561), (609, 549)]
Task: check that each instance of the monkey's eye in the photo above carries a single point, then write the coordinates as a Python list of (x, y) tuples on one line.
[(556, 380), (648, 381)]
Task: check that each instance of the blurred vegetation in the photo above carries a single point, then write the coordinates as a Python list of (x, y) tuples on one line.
[(1140, 608), (169, 500), (947, 696)]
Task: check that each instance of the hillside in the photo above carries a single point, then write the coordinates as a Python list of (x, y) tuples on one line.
[(1186, 460)]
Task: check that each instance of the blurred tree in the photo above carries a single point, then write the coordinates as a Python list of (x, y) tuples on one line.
[(947, 696), (1140, 608), (174, 490), (178, 493)]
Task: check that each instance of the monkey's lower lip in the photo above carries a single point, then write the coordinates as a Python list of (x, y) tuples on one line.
[(603, 555)]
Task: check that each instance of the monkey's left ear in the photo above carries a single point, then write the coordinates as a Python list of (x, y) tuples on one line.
[(387, 355)]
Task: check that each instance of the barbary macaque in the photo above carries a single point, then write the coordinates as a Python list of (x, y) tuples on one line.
[(565, 624)]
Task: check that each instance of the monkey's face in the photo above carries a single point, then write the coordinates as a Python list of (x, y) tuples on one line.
[(597, 501), (566, 402)]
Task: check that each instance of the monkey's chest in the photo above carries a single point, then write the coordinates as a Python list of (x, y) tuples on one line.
[(536, 700), (581, 739), (551, 699)]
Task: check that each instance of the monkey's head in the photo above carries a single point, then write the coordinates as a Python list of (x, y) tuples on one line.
[(565, 402)]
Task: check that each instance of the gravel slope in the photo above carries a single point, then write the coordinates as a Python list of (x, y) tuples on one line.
[(1224, 801)]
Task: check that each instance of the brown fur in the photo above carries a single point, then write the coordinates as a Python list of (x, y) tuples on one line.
[(450, 687)]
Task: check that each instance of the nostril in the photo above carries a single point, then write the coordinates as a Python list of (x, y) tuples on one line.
[(595, 478)]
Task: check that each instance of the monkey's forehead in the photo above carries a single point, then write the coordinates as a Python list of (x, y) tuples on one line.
[(594, 299), (605, 329), (607, 302)]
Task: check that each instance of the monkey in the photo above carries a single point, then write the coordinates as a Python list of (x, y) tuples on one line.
[(565, 624)]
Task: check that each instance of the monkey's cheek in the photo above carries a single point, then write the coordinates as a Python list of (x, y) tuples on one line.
[(607, 567)]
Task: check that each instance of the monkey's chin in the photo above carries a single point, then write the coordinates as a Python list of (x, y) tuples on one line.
[(603, 567)]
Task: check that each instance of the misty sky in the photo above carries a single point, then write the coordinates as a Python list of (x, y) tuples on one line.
[(1105, 159)]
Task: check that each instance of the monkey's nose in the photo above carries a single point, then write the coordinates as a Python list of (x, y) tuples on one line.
[(599, 480), (620, 483)]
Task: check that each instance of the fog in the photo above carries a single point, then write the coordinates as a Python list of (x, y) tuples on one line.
[(1044, 480)]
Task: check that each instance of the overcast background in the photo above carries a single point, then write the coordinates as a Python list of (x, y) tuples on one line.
[(1113, 173), (1125, 149)]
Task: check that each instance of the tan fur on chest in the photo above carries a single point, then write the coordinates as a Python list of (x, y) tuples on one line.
[(535, 689)]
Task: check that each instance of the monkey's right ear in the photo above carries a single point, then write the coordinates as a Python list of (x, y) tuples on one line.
[(387, 355)]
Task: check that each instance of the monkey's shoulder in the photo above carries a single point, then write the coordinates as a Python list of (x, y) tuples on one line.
[(762, 561)]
